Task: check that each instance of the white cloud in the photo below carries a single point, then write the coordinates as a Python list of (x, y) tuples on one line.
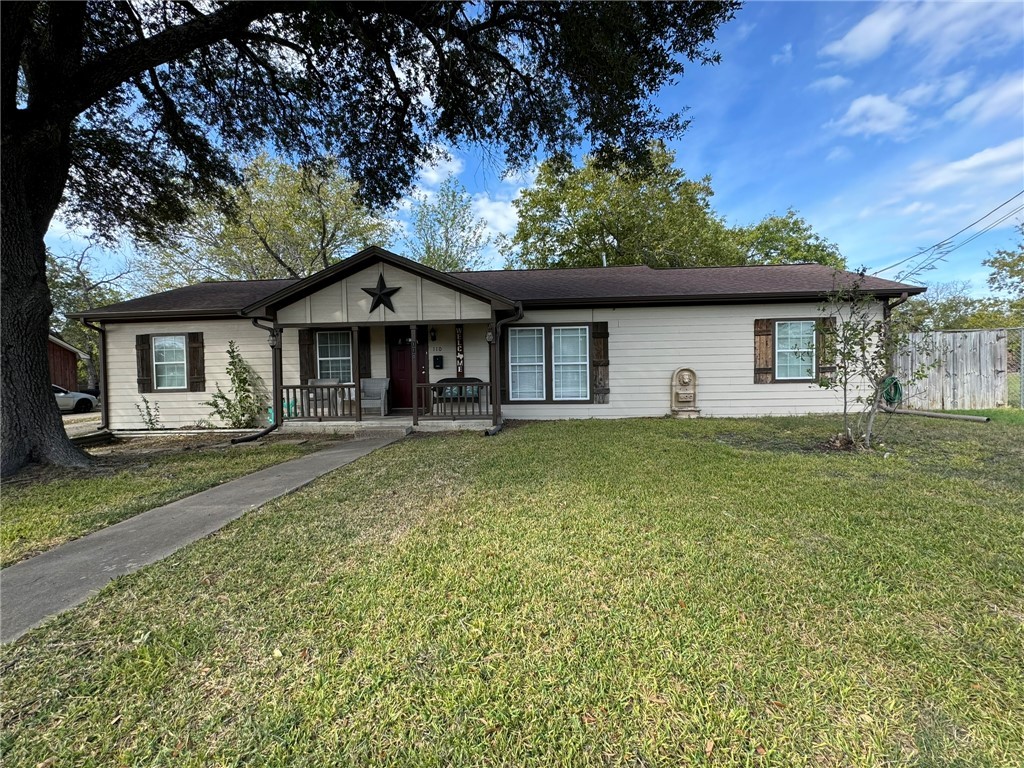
[(940, 91), (499, 213), (941, 30), (743, 32), (916, 207), (1003, 98), (838, 154), (990, 168), (870, 37), (432, 174), (784, 56), (873, 115), (830, 84)]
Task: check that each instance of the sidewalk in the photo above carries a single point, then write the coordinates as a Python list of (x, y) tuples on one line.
[(36, 589)]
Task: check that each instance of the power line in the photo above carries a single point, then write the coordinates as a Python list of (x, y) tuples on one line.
[(947, 241)]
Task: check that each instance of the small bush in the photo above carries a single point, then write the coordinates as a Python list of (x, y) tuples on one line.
[(244, 404)]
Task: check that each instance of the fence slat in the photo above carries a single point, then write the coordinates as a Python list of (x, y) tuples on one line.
[(964, 370)]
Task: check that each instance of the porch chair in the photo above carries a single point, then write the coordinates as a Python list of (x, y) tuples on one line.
[(320, 399), (374, 394)]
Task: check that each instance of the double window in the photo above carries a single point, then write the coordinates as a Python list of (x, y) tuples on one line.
[(169, 362), (541, 358), (334, 355)]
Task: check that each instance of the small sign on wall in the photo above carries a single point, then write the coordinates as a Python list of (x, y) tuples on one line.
[(460, 355)]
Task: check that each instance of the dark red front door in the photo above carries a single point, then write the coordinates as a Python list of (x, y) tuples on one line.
[(400, 367)]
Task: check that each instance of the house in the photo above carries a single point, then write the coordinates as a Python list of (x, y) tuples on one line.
[(473, 348), (63, 362)]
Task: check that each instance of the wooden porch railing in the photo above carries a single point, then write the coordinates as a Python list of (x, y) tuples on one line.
[(453, 400), (320, 402)]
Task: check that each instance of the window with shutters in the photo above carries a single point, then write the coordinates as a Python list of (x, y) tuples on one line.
[(334, 355), (570, 363), (795, 350), (169, 362)]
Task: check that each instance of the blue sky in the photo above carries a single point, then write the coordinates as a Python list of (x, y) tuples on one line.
[(889, 126)]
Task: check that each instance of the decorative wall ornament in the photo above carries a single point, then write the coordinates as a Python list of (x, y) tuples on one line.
[(381, 294), (684, 393)]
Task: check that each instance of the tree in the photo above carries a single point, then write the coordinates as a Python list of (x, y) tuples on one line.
[(75, 285), (596, 215), (787, 239), (1008, 269), (445, 234), (948, 306), (122, 114), (281, 221), (651, 214)]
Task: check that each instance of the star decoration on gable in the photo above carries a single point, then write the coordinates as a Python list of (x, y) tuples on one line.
[(381, 294)]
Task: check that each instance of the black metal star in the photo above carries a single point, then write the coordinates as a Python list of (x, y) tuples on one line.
[(381, 294)]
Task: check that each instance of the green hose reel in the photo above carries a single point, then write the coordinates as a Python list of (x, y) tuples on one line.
[(892, 391)]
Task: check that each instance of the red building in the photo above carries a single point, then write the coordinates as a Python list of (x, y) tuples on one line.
[(63, 362)]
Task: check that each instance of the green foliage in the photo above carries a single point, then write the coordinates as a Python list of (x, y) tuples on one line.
[(535, 599), (149, 413), (787, 239), (596, 216), (861, 341), (445, 234), (649, 213), (282, 221), (244, 404), (947, 306), (1008, 270), (77, 285)]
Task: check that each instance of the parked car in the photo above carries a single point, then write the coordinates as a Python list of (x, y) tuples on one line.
[(73, 402)]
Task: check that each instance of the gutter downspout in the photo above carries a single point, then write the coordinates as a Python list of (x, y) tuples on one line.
[(104, 394), (497, 363), (275, 353)]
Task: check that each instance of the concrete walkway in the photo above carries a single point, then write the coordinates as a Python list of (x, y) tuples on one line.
[(36, 589)]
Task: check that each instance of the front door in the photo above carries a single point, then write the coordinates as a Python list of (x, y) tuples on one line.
[(400, 368)]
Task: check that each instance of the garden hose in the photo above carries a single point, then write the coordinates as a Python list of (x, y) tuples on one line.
[(892, 391)]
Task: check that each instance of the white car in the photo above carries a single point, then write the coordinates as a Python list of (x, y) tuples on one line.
[(73, 402)]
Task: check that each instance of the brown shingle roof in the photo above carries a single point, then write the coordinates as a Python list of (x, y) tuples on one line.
[(224, 298), (608, 286), (643, 284)]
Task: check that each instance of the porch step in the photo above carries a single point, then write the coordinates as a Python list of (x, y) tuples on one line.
[(364, 432)]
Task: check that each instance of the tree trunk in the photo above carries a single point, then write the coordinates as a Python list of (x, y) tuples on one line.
[(33, 172)]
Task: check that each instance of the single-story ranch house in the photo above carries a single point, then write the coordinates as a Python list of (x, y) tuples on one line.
[(378, 336)]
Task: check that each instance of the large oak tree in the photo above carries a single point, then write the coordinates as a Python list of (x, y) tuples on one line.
[(121, 114)]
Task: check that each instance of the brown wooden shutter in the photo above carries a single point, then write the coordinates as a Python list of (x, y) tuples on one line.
[(196, 363), (364, 353), (764, 351), (144, 362), (599, 362), (825, 346), (307, 355)]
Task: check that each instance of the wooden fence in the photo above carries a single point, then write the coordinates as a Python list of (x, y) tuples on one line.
[(962, 370)]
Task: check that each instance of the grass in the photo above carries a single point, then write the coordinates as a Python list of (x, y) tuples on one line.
[(634, 593), (64, 505)]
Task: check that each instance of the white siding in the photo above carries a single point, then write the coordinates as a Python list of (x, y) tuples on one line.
[(178, 409), (646, 345), (417, 301)]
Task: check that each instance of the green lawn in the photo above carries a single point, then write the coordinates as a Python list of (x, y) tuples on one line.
[(41, 514), (635, 593)]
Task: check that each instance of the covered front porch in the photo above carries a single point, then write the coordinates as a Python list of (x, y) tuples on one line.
[(379, 336), (393, 373)]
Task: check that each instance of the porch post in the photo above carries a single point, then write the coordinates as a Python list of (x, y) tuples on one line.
[(492, 331), (277, 382), (415, 377), (355, 373)]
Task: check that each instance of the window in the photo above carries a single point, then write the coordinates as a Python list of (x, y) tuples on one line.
[(526, 363), (334, 355), (169, 362), (570, 363), (794, 350)]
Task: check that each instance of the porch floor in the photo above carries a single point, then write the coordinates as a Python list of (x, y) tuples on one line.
[(392, 423)]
